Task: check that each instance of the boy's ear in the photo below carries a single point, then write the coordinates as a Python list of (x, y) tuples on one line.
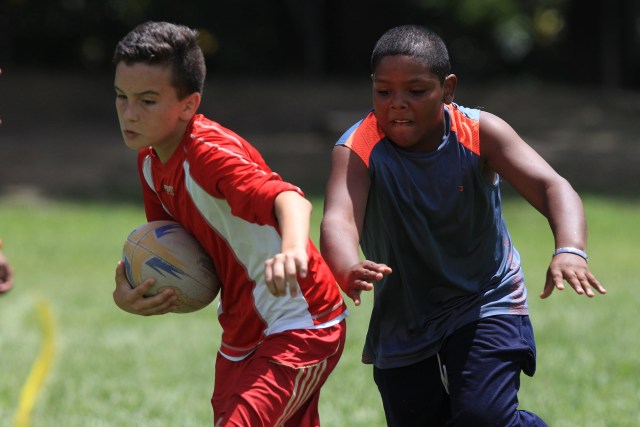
[(190, 105), (450, 83)]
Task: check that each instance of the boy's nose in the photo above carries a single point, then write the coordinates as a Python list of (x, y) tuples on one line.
[(398, 101), (130, 113)]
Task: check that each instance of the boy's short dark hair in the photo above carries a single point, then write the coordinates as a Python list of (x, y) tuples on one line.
[(417, 42), (164, 43)]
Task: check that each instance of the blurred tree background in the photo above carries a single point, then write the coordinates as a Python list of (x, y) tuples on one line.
[(595, 42), (292, 75)]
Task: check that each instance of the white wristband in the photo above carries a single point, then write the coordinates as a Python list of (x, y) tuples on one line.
[(570, 250)]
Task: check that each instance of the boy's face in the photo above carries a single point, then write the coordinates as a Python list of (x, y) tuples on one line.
[(149, 111), (408, 101)]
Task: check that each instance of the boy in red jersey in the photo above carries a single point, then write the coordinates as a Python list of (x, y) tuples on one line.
[(281, 311), (416, 184)]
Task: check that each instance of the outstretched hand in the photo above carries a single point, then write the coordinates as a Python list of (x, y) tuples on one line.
[(575, 271), (361, 276), (283, 269), (6, 273), (132, 300)]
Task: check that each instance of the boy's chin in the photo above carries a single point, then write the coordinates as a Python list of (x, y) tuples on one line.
[(134, 145), (402, 140)]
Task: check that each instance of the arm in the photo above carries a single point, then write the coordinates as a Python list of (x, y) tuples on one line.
[(6, 273), (504, 152), (345, 205), (293, 213)]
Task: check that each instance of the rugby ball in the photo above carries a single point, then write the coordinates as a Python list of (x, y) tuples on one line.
[(166, 251)]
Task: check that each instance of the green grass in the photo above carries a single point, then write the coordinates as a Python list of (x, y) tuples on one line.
[(114, 369)]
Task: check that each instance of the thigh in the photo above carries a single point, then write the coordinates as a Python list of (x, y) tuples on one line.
[(263, 391), (413, 395), (483, 362)]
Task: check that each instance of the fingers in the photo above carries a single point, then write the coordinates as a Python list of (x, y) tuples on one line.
[(282, 272), (356, 286), (355, 296), (163, 302), (575, 272), (554, 281), (133, 300), (597, 285), (6, 273), (5, 286), (122, 281), (6, 277), (584, 283), (274, 277), (121, 277), (361, 277), (374, 266), (370, 271), (356, 290)]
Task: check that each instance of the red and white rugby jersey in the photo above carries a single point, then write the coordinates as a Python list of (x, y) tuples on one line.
[(220, 189)]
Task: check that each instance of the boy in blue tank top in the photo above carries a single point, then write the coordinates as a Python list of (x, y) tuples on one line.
[(415, 184)]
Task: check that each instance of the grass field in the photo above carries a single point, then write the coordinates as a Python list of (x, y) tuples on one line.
[(110, 368)]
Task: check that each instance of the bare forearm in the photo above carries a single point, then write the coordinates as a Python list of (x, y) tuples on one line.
[(339, 245), (565, 213), (293, 212)]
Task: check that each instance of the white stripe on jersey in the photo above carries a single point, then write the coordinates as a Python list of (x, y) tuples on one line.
[(252, 245), (221, 131), (148, 176)]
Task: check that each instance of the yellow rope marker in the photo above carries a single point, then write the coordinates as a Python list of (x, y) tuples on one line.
[(39, 369)]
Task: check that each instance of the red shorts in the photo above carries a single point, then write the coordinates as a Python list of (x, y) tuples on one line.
[(279, 384)]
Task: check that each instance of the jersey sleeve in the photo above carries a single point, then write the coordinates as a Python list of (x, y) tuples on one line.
[(362, 137), (238, 173)]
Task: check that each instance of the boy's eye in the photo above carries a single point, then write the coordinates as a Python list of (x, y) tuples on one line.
[(418, 91), (148, 101), (382, 92), (120, 96)]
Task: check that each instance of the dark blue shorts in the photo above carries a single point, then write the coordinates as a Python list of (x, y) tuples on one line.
[(472, 381)]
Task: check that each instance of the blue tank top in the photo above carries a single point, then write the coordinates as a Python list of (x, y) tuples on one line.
[(436, 220)]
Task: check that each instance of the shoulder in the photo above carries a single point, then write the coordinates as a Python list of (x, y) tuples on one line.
[(504, 150), (465, 123), (496, 133), (480, 131), (203, 129), (464, 113), (363, 136), (209, 138), (212, 148)]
